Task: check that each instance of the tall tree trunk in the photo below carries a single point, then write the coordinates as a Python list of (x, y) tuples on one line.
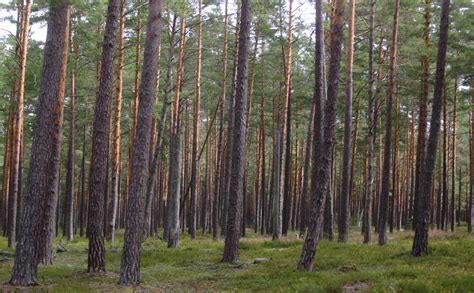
[(422, 115), (470, 207), (113, 201), (231, 247), (100, 144), (445, 209), (420, 242), (195, 168), (371, 132), (130, 265), (343, 227), (453, 159), (220, 141), (175, 151), (384, 194), (160, 131), (304, 204), (83, 206), (324, 137), (286, 129), (45, 151), (230, 131), (18, 124), (69, 196)]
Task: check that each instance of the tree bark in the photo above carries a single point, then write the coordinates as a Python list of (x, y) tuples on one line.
[(130, 265), (371, 131), (116, 136), (384, 194), (422, 115), (324, 137), (175, 151), (100, 144), (45, 151), (69, 196), (231, 247), (195, 168), (344, 217), (420, 242), (286, 129), (18, 124)]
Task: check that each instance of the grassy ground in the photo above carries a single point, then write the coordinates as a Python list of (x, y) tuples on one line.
[(196, 266)]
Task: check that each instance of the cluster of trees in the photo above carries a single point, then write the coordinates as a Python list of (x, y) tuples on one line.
[(200, 115)]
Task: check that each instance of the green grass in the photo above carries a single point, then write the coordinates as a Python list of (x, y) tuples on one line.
[(196, 266)]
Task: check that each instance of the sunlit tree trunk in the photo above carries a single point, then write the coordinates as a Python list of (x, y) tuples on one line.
[(18, 124), (116, 140), (45, 152)]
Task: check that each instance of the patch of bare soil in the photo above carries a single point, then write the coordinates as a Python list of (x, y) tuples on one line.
[(359, 286)]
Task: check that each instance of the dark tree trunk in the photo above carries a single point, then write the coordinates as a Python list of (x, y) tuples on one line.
[(371, 132), (384, 194), (230, 131), (160, 131), (45, 152), (130, 265), (100, 144), (421, 143), (324, 137), (343, 227), (420, 242), (231, 247)]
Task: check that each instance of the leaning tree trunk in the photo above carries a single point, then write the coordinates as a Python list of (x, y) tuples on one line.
[(384, 194), (45, 151), (324, 129), (100, 144), (343, 227), (231, 247), (420, 242)]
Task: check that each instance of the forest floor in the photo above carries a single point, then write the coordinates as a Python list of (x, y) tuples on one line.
[(196, 266)]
